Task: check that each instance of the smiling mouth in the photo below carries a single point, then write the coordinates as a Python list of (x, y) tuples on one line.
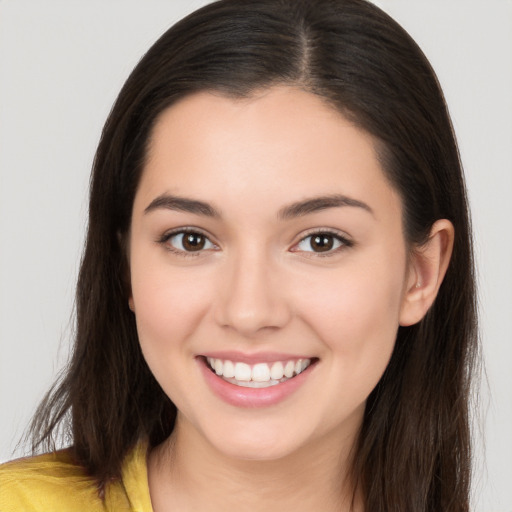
[(260, 375)]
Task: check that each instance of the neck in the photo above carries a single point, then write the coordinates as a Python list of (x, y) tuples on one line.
[(187, 473)]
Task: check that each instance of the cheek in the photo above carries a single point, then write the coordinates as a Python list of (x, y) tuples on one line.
[(168, 308), (358, 307), (168, 304), (356, 315)]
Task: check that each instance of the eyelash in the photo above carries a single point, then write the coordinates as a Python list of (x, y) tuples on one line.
[(344, 242), (164, 240)]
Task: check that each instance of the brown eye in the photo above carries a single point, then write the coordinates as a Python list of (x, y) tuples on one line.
[(188, 241), (193, 241), (322, 242)]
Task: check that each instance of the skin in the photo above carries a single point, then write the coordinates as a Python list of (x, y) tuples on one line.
[(260, 287)]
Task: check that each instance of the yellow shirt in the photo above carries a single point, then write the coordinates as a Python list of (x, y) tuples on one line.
[(53, 483)]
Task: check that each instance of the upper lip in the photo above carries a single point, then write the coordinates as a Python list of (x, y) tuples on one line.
[(257, 357)]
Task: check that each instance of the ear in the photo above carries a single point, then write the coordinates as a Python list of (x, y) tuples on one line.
[(427, 268)]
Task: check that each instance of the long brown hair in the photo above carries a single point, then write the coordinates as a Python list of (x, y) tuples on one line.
[(413, 452)]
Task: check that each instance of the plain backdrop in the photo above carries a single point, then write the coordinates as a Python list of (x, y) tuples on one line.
[(62, 64)]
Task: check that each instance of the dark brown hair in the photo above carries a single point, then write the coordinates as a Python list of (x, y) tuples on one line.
[(413, 452)]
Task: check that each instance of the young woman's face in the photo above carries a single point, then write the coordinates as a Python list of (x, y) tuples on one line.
[(266, 240)]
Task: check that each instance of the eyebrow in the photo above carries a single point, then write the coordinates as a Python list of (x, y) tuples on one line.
[(316, 204), (297, 209), (182, 204)]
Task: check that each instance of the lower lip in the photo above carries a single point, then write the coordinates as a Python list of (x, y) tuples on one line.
[(252, 397)]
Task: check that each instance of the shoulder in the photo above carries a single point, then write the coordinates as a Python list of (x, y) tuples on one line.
[(46, 482), (51, 482)]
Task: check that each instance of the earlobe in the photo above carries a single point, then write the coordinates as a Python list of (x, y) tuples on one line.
[(427, 268)]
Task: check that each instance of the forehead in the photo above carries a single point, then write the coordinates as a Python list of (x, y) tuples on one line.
[(281, 141)]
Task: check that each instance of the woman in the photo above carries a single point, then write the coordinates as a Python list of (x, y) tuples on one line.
[(275, 307)]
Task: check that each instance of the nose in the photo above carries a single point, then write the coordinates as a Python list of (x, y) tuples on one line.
[(252, 297)]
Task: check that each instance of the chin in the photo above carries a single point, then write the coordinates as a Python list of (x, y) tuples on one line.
[(257, 450), (259, 441)]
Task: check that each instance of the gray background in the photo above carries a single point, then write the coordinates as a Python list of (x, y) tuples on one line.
[(61, 66)]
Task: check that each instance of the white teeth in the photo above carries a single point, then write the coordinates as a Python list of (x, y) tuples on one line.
[(254, 384), (258, 375), (260, 372), (242, 371), (277, 371), (229, 369), (289, 369)]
